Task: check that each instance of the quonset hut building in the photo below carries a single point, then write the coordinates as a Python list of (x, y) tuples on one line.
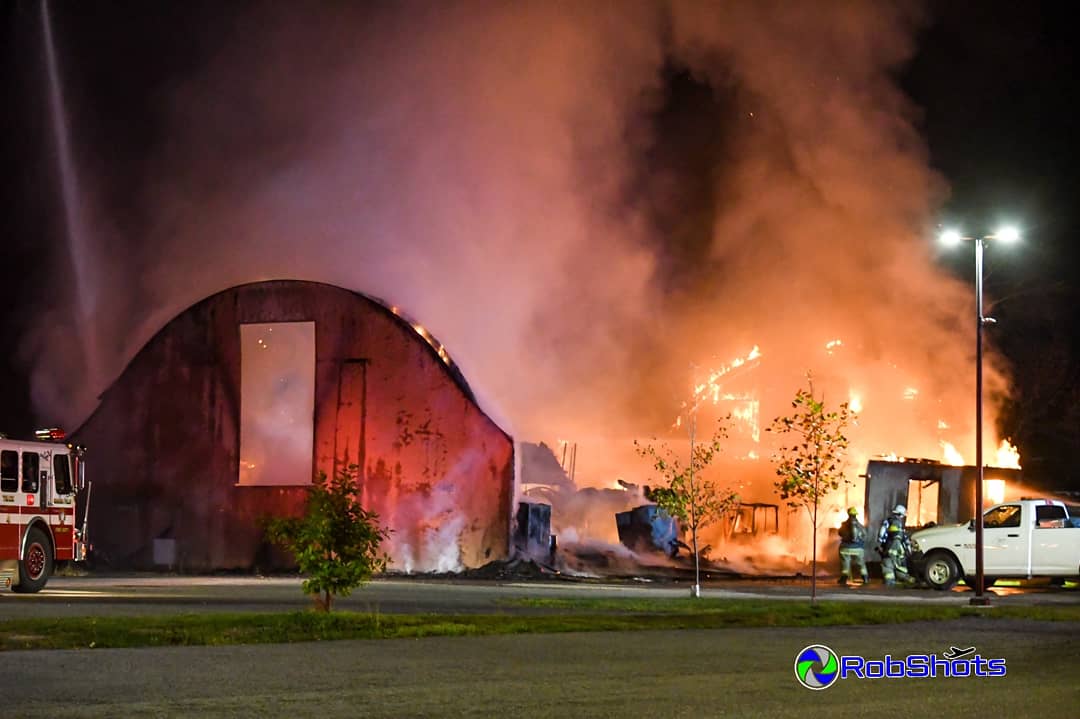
[(227, 414)]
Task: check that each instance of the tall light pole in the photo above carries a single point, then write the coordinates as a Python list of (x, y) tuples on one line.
[(952, 237)]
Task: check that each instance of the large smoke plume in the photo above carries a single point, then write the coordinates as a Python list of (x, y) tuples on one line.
[(511, 174)]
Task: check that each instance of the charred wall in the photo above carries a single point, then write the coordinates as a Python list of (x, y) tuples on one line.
[(164, 442), (888, 484)]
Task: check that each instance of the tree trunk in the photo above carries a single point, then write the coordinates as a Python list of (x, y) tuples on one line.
[(696, 592), (322, 601)]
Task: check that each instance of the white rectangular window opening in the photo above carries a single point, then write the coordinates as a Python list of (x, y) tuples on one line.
[(277, 403), (922, 502)]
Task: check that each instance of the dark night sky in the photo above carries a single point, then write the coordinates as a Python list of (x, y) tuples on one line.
[(997, 84), (995, 81)]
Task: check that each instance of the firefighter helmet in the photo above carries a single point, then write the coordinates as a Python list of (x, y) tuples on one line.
[(901, 510)]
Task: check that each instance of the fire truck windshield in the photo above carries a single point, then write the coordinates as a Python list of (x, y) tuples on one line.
[(62, 472)]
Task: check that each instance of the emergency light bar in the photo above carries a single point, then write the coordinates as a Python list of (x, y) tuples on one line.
[(52, 433)]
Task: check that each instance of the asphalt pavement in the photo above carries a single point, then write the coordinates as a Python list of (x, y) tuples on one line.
[(143, 594), (692, 673)]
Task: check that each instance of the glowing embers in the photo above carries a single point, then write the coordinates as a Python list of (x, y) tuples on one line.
[(419, 329), (277, 403), (435, 344)]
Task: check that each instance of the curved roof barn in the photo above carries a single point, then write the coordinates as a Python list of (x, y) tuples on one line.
[(229, 411)]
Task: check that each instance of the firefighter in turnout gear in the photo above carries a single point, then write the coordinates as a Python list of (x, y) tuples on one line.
[(852, 539), (895, 548)]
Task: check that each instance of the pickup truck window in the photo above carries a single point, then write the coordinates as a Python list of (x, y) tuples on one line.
[(1049, 516), (1007, 515)]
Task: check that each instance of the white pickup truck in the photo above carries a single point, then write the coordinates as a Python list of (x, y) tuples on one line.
[(1027, 538)]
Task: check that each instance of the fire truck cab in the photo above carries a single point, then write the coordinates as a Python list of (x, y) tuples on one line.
[(39, 480)]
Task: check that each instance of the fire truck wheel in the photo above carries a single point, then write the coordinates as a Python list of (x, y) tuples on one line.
[(941, 570), (36, 564)]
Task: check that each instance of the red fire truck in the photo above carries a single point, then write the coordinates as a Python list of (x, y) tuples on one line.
[(39, 480)]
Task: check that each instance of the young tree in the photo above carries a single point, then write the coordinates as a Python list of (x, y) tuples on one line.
[(813, 464), (336, 542), (684, 494)]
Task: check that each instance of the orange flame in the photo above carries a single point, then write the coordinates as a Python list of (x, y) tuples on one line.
[(748, 415), (1008, 456), (711, 387), (855, 402), (950, 455), (994, 489)]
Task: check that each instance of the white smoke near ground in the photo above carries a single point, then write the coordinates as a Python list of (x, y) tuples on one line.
[(768, 555), (473, 163), (587, 511), (430, 526)]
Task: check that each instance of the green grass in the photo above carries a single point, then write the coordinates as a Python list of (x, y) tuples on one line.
[(559, 615), (756, 612)]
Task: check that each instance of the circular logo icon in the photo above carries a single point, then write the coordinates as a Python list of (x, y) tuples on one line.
[(817, 667)]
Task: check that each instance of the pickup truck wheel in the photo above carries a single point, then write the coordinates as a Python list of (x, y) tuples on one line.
[(36, 564), (941, 571)]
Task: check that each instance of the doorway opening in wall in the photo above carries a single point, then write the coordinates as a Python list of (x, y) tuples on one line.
[(922, 502), (994, 491), (277, 403)]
